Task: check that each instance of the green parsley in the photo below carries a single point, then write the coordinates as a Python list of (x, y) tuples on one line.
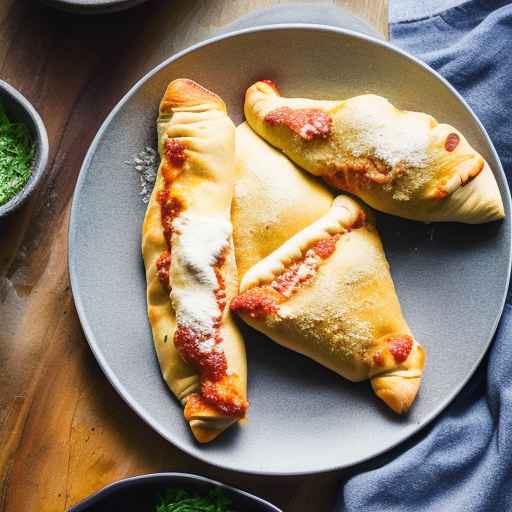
[(16, 156), (179, 500)]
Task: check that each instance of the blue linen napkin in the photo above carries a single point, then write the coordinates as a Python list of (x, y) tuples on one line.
[(463, 462)]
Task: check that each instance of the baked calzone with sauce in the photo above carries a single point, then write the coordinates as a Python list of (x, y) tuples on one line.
[(328, 294), (189, 259), (273, 200), (401, 163)]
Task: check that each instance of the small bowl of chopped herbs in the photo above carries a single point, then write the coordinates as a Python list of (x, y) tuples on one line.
[(172, 492), (23, 149)]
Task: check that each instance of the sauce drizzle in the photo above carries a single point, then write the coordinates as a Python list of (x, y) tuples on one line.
[(261, 301), (204, 354), (175, 152), (163, 264), (308, 123), (452, 141), (400, 347), (256, 302)]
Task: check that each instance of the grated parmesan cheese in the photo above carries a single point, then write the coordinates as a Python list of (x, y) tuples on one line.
[(197, 243), (146, 165), (402, 145), (393, 143)]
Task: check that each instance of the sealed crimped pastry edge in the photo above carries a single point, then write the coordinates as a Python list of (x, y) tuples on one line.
[(343, 213), (447, 198), (178, 122), (406, 374)]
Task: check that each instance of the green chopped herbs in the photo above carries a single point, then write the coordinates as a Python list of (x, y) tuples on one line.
[(16, 155), (179, 500)]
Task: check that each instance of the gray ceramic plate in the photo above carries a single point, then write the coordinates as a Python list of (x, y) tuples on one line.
[(452, 279)]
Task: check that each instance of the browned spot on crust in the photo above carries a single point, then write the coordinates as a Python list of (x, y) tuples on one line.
[(360, 220), (185, 92), (473, 174), (464, 179), (360, 173), (199, 87), (439, 193)]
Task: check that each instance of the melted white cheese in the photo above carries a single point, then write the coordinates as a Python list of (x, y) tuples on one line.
[(197, 243)]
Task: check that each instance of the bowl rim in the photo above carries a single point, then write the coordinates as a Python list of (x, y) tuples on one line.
[(112, 377), (40, 162), (87, 7), (109, 489)]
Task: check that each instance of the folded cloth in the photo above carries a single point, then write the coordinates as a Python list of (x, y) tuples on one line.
[(463, 461)]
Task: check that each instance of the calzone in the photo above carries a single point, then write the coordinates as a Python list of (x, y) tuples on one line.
[(327, 293), (401, 163), (273, 200), (189, 258)]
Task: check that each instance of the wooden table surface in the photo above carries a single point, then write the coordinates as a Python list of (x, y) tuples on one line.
[(64, 431)]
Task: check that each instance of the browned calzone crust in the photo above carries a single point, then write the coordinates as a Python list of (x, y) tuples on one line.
[(345, 314), (401, 163), (273, 200), (194, 186)]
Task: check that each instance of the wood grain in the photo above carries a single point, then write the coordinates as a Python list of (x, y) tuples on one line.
[(64, 432)]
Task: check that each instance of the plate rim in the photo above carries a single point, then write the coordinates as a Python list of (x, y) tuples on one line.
[(87, 330)]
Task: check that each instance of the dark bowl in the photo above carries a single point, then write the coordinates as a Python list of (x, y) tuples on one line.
[(140, 494), (19, 109), (92, 6)]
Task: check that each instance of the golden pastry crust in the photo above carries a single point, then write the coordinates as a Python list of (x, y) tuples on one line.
[(401, 163), (328, 294), (273, 199), (194, 185)]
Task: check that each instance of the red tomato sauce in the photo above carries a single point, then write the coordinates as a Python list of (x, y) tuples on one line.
[(378, 358), (170, 208), (175, 152), (256, 303), (286, 282), (324, 248), (224, 396), (290, 280), (214, 398), (452, 141), (163, 265), (261, 301), (400, 347), (217, 388), (211, 364), (307, 123)]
